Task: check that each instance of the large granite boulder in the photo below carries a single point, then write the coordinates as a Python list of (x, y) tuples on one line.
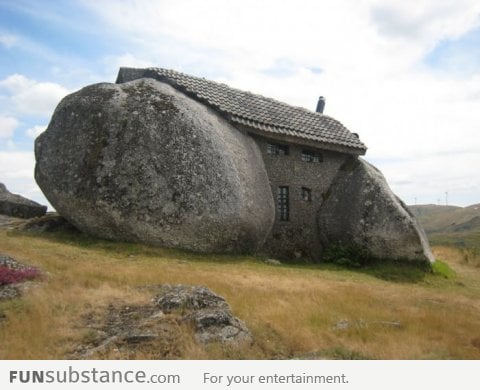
[(361, 212), (143, 162), (17, 206)]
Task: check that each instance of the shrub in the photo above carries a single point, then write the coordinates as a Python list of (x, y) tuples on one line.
[(12, 275), (348, 255)]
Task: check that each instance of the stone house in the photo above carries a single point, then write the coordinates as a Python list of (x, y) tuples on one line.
[(302, 151), (169, 159)]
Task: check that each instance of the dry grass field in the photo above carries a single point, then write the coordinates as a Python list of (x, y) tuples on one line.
[(293, 311)]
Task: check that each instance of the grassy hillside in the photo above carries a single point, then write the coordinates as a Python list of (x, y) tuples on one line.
[(293, 311), (453, 226), (448, 219)]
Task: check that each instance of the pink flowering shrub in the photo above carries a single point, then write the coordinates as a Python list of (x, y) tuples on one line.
[(12, 275)]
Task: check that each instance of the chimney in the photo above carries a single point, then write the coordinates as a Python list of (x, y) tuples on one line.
[(320, 104)]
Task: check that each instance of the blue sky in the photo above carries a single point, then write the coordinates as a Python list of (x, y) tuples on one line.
[(459, 56), (405, 75)]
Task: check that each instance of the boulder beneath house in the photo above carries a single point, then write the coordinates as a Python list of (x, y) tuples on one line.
[(361, 212), (17, 206), (142, 162)]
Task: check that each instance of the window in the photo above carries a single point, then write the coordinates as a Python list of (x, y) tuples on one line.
[(282, 204), (311, 156), (306, 194), (277, 149)]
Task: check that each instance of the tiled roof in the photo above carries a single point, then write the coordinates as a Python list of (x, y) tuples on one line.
[(263, 114)]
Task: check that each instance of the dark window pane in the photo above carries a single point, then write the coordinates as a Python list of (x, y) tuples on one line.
[(306, 194), (277, 150), (311, 156)]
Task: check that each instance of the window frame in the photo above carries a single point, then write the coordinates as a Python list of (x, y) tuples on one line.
[(275, 149), (283, 203), (311, 156)]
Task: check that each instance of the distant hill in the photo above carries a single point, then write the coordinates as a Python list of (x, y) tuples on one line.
[(448, 219)]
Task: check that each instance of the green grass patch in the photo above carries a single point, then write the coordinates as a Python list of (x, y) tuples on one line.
[(440, 268)]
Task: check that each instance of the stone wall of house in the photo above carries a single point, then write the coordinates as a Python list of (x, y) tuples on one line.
[(298, 237)]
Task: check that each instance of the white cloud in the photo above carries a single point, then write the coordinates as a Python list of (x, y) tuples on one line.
[(8, 125), (458, 170), (8, 40), (128, 59), (35, 131), (16, 172), (30, 96), (426, 21), (337, 33), (16, 165)]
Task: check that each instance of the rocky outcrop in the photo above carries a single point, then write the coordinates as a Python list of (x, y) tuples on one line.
[(162, 328), (17, 206), (51, 222), (360, 211), (208, 313), (143, 162)]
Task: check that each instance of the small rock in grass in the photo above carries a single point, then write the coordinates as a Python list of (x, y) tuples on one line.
[(272, 262)]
